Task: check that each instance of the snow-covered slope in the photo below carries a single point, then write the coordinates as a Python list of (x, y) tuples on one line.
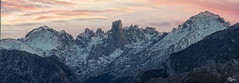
[(13, 44), (120, 51), (46, 38)]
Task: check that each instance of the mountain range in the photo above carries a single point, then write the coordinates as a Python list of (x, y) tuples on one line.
[(133, 54), (215, 56)]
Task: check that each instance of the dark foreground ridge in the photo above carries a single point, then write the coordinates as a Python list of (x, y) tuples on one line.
[(22, 67)]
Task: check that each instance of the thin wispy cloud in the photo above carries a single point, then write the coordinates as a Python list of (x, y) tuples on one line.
[(79, 14), (163, 24), (53, 2), (228, 8), (46, 10)]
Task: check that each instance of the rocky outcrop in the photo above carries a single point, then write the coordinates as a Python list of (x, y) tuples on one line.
[(116, 37), (84, 38), (100, 33), (150, 30), (134, 34)]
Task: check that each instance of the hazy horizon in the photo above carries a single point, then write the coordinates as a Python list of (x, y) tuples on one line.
[(20, 17)]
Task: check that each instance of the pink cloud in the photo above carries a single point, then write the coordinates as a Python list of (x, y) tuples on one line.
[(54, 2), (17, 6), (225, 8)]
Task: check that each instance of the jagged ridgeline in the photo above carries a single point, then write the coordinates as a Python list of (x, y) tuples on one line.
[(119, 53)]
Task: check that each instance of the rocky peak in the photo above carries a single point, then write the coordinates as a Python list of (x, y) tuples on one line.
[(207, 19), (46, 38), (194, 29), (134, 33), (45, 31), (150, 30), (116, 25), (208, 13), (118, 34), (41, 30), (87, 34), (88, 31), (116, 37), (44, 27), (205, 14), (84, 38), (134, 28), (117, 30), (99, 31), (65, 38), (173, 30), (64, 34)]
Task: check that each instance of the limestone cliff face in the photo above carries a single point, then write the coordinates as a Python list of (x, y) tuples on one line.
[(116, 37)]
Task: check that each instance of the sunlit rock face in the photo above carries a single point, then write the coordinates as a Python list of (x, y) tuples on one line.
[(116, 37)]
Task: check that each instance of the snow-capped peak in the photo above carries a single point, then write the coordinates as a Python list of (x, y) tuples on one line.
[(203, 20), (40, 29), (46, 38), (206, 14), (198, 26)]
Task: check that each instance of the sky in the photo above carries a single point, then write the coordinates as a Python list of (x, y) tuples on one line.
[(18, 17)]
